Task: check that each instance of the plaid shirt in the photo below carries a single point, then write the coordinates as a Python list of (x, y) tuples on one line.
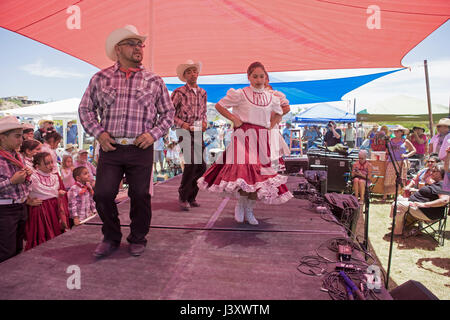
[(127, 108), (80, 205), (12, 191), (189, 106)]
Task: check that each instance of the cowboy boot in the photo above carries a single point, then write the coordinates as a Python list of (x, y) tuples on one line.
[(249, 217), (240, 209)]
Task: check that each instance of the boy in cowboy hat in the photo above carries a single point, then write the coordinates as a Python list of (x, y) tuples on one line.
[(135, 110), (14, 191), (190, 115), (440, 142)]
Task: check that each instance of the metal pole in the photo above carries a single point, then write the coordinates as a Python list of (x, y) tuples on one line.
[(427, 82)]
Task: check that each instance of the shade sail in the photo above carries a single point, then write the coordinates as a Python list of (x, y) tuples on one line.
[(227, 35), (299, 92), (322, 113)]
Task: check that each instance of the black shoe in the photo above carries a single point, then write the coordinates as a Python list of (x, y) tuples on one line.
[(194, 204), (136, 249), (105, 248), (184, 205)]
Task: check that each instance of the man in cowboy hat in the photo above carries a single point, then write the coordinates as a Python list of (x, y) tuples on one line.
[(190, 115), (45, 125), (135, 110), (14, 188), (440, 142)]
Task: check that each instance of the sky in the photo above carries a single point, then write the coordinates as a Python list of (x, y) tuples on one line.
[(43, 73)]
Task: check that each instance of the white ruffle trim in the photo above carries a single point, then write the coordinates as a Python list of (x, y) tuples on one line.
[(267, 191)]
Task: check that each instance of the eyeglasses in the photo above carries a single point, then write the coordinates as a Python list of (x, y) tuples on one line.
[(132, 44)]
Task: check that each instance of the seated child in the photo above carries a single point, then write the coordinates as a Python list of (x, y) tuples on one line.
[(81, 202)]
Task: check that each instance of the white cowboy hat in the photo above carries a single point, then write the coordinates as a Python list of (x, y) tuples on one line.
[(9, 123), (127, 32), (184, 66), (444, 122)]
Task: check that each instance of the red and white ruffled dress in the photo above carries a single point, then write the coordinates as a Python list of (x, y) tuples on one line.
[(246, 163), (43, 221)]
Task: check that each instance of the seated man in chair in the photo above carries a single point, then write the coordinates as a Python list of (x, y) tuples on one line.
[(427, 204)]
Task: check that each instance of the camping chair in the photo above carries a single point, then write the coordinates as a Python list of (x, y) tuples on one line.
[(429, 226)]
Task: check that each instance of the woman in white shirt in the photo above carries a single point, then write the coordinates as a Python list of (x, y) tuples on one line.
[(244, 169)]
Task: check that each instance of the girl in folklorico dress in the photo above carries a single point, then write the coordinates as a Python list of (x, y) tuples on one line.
[(28, 149), (48, 217), (51, 142), (244, 169), (67, 172)]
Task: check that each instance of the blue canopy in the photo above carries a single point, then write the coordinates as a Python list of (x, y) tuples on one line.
[(324, 112), (299, 92)]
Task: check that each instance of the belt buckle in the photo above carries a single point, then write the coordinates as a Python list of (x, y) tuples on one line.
[(124, 142)]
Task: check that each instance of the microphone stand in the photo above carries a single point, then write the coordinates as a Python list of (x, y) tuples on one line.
[(397, 183), (366, 213)]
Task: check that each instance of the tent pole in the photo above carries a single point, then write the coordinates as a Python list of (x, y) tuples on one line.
[(64, 132), (427, 82), (354, 106)]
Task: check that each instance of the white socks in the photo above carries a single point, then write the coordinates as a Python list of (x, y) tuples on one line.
[(244, 208), (239, 210), (249, 217)]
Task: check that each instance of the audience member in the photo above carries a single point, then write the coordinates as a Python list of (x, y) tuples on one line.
[(81, 201), (28, 149), (14, 189), (67, 172), (420, 142), (428, 203), (47, 216), (401, 149), (82, 161), (350, 136), (362, 175), (440, 142)]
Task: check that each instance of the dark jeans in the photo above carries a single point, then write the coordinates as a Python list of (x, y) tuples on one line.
[(12, 229), (188, 189), (137, 165)]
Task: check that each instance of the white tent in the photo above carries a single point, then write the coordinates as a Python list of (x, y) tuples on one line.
[(401, 104), (64, 110)]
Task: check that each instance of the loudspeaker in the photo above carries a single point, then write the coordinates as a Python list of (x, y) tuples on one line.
[(338, 168), (294, 164), (412, 290)]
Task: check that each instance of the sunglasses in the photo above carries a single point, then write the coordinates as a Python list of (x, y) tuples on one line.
[(132, 44)]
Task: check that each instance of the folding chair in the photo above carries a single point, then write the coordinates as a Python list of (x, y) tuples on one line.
[(429, 226)]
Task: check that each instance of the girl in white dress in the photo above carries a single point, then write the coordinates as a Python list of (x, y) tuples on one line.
[(244, 169)]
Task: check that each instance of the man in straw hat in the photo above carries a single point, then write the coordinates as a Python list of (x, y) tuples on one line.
[(190, 105), (45, 126), (14, 189), (135, 110), (440, 142)]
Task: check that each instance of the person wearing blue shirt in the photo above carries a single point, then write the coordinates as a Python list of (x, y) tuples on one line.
[(287, 133), (71, 132)]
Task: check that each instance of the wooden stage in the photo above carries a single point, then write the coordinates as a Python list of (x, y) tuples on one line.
[(202, 254)]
